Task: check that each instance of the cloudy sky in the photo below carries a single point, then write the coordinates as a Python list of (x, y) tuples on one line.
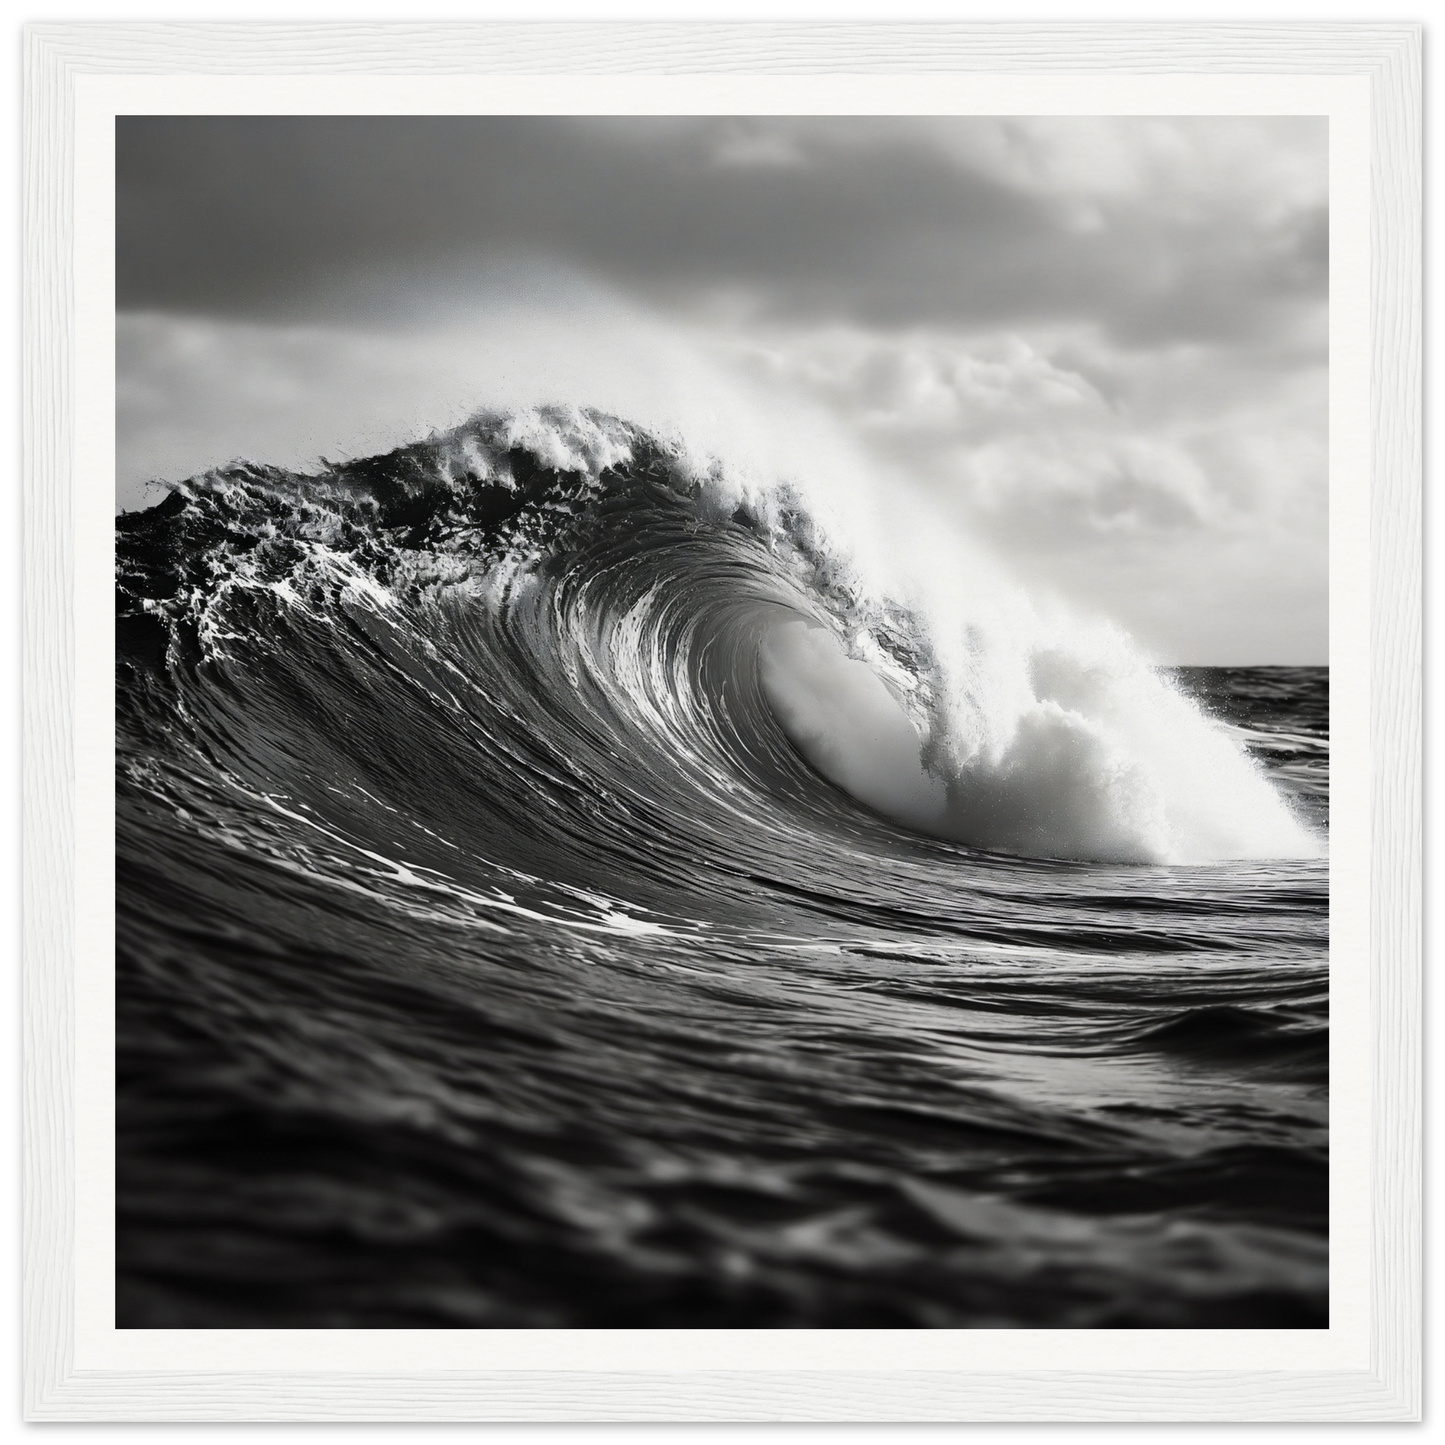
[(1098, 344)]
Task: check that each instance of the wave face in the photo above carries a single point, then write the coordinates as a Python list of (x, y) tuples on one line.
[(554, 888)]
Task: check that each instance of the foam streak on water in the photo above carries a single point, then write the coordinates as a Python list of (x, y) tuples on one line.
[(559, 885)]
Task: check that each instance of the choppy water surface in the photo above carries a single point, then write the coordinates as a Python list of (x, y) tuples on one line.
[(490, 955)]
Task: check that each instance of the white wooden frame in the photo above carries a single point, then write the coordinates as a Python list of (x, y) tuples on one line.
[(1389, 55)]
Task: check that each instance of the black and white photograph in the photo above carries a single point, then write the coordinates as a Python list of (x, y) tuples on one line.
[(722, 722)]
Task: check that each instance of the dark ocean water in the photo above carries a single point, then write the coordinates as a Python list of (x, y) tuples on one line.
[(489, 956)]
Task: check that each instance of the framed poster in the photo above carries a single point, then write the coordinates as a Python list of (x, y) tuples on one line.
[(724, 722)]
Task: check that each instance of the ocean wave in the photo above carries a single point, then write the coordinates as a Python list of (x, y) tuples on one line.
[(703, 613)]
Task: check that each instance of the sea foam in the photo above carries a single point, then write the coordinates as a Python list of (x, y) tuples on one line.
[(1057, 751)]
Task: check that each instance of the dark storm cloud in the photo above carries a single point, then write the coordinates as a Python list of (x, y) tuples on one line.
[(850, 220)]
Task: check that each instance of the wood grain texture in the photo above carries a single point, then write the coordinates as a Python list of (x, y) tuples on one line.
[(47, 795), (1390, 54), (1396, 615), (666, 47)]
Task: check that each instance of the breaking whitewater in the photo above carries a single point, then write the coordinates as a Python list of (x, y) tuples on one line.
[(564, 883)]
